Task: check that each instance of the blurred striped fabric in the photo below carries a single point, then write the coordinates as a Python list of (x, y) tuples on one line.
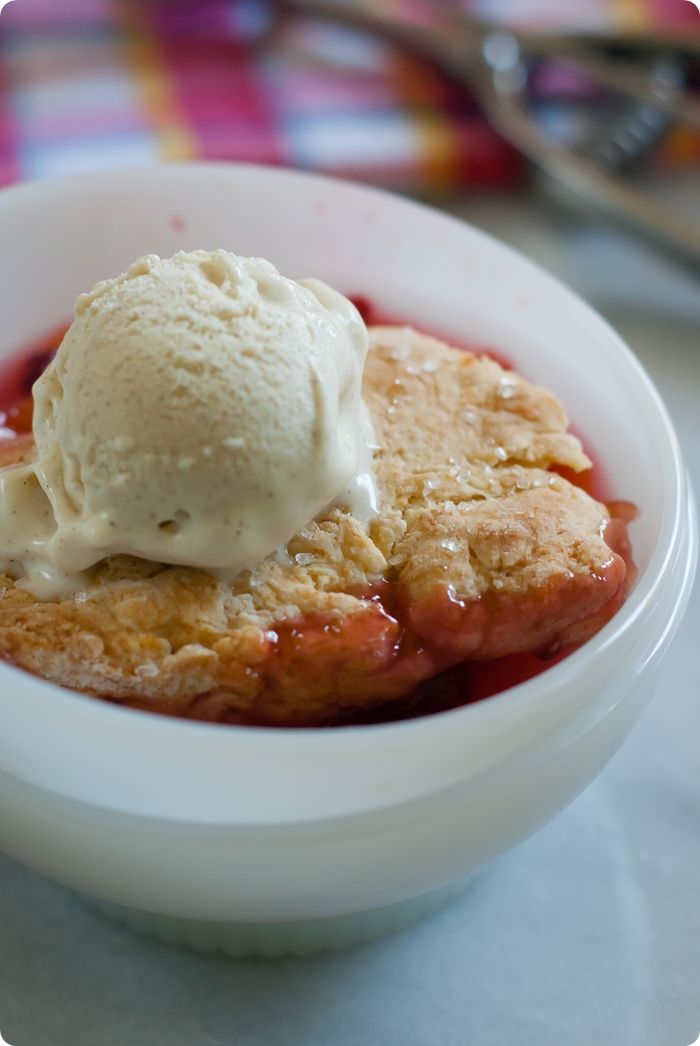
[(90, 84)]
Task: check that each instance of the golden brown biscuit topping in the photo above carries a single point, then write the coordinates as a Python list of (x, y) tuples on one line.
[(479, 551)]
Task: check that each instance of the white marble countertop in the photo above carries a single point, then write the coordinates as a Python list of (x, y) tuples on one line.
[(587, 934)]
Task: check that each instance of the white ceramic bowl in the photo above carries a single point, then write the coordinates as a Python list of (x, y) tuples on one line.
[(269, 840)]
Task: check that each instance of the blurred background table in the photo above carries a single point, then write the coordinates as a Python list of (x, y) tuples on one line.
[(588, 933)]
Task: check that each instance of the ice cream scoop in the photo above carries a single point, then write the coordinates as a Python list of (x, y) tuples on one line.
[(200, 410)]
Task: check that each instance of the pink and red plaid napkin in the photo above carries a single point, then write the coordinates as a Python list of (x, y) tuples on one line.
[(89, 84)]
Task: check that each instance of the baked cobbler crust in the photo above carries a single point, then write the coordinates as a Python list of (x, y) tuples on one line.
[(479, 551)]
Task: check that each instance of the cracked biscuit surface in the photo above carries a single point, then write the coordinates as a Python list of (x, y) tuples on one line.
[(479, 551)]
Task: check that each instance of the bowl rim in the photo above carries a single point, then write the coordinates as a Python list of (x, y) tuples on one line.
[(162, 730)]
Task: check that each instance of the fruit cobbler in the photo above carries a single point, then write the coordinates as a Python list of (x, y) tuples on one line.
[(275, 515)]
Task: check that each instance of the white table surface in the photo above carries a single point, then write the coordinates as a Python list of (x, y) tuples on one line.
[(587, 935)]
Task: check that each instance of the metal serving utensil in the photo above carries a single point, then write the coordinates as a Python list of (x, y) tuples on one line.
[(648, 73)]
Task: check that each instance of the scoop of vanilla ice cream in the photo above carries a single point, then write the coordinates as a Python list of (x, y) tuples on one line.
[(200, 410)]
